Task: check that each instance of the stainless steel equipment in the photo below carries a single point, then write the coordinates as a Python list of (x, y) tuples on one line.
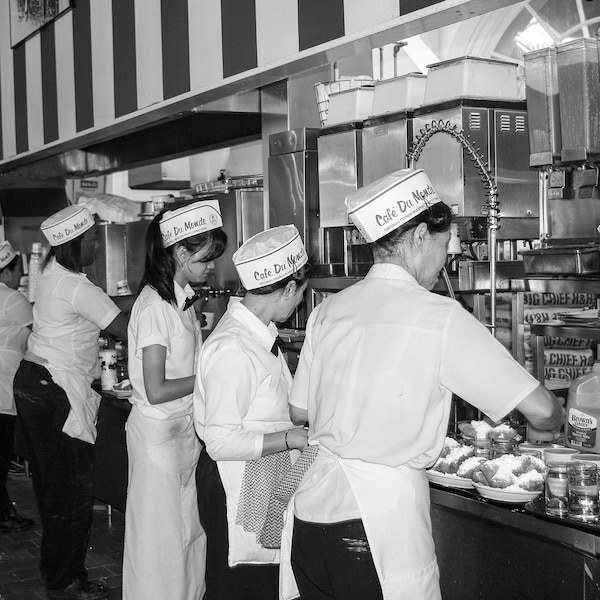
[(110, 264), (135, 252), (294, 186), (562, 260), (386, 140), (340, 170), (499, 130), (242, 209), (294, 197), (563, 98)]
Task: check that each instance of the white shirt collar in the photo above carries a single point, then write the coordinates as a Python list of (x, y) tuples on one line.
[(182, 293), (390, 271), (266, 334)]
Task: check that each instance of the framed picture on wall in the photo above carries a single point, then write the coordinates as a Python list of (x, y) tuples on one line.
[(28, 16)]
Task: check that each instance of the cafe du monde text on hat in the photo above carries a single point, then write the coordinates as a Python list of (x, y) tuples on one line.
[(189, 220), (67, 224), (382, 206), (270, 256)]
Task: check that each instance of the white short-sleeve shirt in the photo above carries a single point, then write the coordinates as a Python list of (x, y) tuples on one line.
[(153, 321), (15, 317), (376, 374), (68, 315)]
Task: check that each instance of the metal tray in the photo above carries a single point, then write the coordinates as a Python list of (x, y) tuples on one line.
[(564, 260)]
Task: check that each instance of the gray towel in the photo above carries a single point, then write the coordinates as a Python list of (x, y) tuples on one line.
[(270, 536), (261, 476)]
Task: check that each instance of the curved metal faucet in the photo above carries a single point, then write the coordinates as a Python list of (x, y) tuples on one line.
[(489, 185)]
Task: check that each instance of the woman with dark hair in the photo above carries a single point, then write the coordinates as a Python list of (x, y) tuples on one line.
[(56, 403), (15, 326), (241, 415), (375, 379), (165, 545)]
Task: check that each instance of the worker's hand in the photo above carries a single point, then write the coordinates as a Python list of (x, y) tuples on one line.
[(297, 438), (537, 435)]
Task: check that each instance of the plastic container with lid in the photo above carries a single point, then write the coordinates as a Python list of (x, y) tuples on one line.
[(579, 98), (543, 113), (399, 93), (583, 412), (471, 77)]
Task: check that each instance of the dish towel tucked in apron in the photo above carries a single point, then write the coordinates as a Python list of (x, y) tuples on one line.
[(261, 476), (270, 536)]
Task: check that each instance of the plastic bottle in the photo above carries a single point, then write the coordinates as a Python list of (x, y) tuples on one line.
[(34, 269), (583, 412)]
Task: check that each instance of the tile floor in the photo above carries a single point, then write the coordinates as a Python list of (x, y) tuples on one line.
[(19, 552)]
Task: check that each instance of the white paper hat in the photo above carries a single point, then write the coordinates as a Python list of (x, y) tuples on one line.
[(7, 253), (382, 206), (189, 220), (270, 256), (67, 224)]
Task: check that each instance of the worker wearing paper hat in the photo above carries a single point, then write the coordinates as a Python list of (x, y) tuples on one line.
[(241, 394), (379, 208), (189, 220), (399, 208), (164, 333), (15, 321), (375, 378), (270, 256), (53, 387), (67, 224), (7, 254)]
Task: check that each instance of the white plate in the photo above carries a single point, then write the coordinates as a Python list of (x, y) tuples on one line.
[(449, 480), (504, 495)]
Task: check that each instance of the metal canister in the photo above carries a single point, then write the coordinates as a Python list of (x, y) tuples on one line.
[(500, 447), (108, 368)]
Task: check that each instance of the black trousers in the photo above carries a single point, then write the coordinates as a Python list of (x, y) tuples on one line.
[(7, 438), (62, 473), (333, 561), (245, 582)]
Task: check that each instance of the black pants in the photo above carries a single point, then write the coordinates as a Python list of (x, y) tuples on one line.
[(7, 438), (245, 582), (62, 473), (333, 561)]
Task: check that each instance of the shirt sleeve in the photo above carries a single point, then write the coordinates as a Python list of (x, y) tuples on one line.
[(478, 369), (153, 328), (300, 387), (18, 310), (229, 387), (94, 304)]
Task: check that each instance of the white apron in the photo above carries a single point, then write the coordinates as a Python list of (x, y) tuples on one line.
[(168, 560), (394, 507), (243, 547)]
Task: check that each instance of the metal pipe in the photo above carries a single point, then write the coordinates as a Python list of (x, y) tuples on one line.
[(397, 48), (493, 218), (489, 186)]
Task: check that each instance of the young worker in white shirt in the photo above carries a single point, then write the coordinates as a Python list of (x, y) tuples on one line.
[(165, 545), (56, 403), (241, 414), (380, 362), (15, 326)]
